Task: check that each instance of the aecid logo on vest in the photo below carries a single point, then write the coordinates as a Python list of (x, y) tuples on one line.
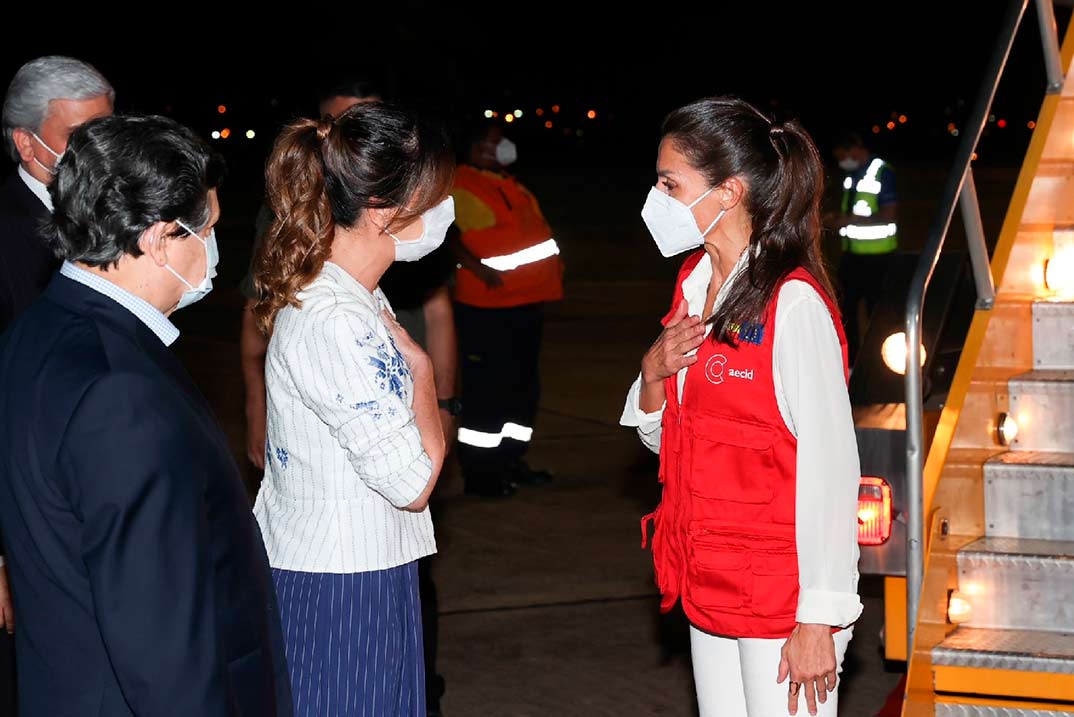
[(716, 368)]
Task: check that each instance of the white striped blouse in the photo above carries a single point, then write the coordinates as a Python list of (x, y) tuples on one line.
[(343, 455)]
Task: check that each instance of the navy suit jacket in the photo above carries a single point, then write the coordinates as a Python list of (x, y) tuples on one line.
[(26, 262), (140, 579)]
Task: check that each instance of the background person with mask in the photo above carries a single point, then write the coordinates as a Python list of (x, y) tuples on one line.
[(47, 99), (867, 226), (355, 443), (139, 574), (509, 268)]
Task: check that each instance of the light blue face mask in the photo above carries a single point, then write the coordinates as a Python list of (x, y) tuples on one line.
[(212, 258), (506, 152)]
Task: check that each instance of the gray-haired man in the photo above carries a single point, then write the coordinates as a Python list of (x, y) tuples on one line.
[(47, 99)]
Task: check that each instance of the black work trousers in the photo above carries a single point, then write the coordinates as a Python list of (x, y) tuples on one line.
[(500, 349)]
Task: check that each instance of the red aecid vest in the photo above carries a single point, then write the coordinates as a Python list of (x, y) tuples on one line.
[(724, 539)]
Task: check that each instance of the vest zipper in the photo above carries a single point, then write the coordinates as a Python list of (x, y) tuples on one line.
[(505, 199)]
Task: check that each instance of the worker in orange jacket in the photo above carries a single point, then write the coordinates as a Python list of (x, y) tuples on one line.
[(509, 267)]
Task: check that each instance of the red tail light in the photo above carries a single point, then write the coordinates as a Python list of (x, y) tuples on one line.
[(874, 511)]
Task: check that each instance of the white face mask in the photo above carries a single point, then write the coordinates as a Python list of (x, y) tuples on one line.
[(212, 258), (506, 152), (672, 223), (849, 165), (54, 153), (435, 223)]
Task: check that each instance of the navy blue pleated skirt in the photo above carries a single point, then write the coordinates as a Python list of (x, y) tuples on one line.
[(354, 645)]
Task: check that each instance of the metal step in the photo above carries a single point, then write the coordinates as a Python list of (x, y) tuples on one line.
[(1005, 667), (1018, 584), (1030, 494), (1042, 402), (970, 710), (1053, 334), (1015, 650)]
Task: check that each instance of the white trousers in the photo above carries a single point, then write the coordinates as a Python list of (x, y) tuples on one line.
[(737, 677)]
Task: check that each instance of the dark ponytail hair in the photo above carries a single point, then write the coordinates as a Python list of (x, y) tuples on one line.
[(725, 137), (324, 173)]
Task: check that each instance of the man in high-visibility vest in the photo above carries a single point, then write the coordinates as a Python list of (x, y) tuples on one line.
[(868, 228), (509, 267)]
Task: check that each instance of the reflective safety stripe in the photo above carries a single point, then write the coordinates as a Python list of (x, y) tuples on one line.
[(529, 255), (862, 209), (867, 238), (868, 184), (480, 439), (868, 233)]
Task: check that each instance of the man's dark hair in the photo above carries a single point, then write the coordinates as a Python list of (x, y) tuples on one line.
[(121, 175)]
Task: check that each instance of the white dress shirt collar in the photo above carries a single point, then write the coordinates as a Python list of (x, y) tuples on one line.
[(39, 188), (148, 314)]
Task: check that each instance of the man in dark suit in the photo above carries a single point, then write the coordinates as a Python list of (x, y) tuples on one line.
[(46, 100), (139, 574)]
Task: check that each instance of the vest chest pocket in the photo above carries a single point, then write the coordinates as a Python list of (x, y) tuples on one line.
[(731, 460)]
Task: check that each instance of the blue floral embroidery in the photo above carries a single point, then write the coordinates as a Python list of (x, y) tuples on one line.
[(282, 455), (268, 451), (339, 398), (372, 407), (391, 370), (365, 339)]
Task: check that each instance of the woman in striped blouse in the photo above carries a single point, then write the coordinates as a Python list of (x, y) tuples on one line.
[(354, 436)]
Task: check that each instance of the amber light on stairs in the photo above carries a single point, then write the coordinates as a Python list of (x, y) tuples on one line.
[(959, 608), (1059, 269), (1006, 429), (1059, 274)]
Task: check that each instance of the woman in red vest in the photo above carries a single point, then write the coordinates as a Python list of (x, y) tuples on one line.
[(744, 397)]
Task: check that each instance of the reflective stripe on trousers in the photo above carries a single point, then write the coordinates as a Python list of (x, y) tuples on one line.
[(481, 439)]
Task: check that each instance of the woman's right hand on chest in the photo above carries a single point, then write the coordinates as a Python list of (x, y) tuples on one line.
[(667, 356), (416, 359)]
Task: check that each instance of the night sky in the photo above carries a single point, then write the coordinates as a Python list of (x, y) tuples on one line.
[(833, 65)]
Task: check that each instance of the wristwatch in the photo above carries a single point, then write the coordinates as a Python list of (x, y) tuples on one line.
[(451, 405)]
